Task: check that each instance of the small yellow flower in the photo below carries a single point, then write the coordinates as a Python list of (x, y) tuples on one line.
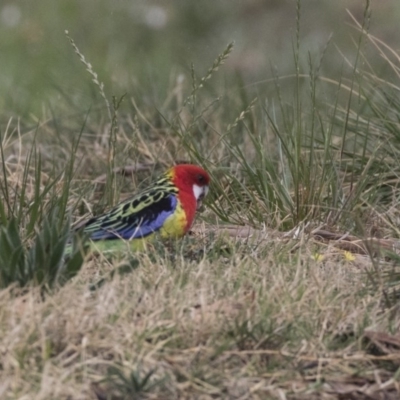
[(349, 256), (317, 257)]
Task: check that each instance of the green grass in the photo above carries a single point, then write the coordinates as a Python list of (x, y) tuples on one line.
[(286, 288)]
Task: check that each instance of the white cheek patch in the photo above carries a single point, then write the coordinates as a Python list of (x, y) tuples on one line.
[(197, 191), (200, 191)]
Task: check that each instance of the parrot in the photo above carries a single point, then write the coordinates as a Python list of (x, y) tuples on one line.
[(167, 208)]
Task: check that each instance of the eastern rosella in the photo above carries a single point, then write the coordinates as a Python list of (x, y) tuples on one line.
[(166, 208)]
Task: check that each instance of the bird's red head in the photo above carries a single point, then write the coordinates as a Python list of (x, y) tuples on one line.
[(192, 182), (190, 175)]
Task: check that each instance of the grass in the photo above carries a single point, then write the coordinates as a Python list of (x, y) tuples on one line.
[(230, 327), (287, 287)]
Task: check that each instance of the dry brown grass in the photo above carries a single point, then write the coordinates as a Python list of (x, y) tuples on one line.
[(265, 324), (229, 312)]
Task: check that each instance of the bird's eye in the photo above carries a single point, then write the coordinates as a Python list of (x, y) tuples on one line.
[(201, 179)]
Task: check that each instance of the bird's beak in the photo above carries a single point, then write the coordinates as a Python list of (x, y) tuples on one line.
[(203, 193)]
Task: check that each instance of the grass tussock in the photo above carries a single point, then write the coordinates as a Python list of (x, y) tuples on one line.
[(286, 288)]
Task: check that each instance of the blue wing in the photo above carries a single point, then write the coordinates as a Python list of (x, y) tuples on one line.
[(130, 221)]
